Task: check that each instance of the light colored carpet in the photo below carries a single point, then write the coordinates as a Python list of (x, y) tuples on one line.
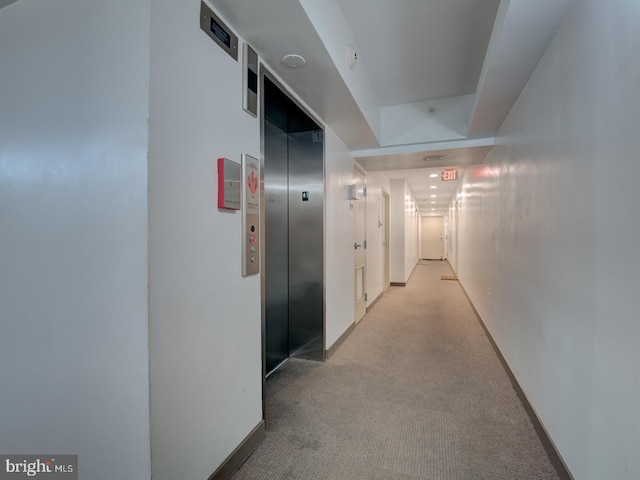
[(415, 393)]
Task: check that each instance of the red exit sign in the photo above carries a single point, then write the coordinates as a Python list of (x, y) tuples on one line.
[(448, 175)]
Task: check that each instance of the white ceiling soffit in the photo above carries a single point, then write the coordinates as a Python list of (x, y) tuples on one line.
[(4, 3), (522, 32), (432, 195), (422, 149), (421, 50), (458, 157), (334, 32), (408, 162), (276, 28), (349, 101)]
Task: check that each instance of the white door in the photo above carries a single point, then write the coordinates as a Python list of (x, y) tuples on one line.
[(432, 233), (359, 245)]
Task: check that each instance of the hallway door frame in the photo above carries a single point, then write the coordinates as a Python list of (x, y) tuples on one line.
[(456, 237), (385, 241), (360, 243), (265, 73)]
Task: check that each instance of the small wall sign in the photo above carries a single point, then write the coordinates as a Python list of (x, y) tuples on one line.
[(228, 184), (449, 175)]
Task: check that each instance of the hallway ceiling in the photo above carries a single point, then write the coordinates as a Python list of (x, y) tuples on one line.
[(421, 50), (432, 76), (417, 171)]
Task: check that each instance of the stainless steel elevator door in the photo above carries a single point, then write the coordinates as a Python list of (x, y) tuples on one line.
[(306, 248), (276, 259), (293, 272)]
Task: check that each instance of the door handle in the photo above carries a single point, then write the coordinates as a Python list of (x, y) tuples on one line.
[(356, 245)]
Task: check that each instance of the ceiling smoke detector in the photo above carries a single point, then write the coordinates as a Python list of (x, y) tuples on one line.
[(433, 158), (293, 60)]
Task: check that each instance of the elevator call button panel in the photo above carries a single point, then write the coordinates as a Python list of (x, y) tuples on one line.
[(250, 215)]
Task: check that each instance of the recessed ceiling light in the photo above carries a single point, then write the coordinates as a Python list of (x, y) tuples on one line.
[(293, 60), (433, 187), (433, 209), (434, 175), (433, 158), (433, 203), (433, 196)]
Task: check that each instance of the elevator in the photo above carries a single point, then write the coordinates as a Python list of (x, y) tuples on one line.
[(293, 274)]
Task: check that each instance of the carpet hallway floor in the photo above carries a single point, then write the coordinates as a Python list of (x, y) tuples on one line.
[(416, 392)]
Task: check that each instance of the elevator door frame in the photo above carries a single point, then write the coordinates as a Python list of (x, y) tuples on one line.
[(266, 73)]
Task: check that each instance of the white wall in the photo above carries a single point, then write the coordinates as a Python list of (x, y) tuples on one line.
[(414, 123), (339, 234), (396, 230), (206, 361), (403, 231), (205, 333), (445, 235), (452, 233), (548, 240), (73, 215), (411, 232)]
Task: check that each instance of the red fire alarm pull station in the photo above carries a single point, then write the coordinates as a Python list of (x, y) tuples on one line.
[(228, 184)]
